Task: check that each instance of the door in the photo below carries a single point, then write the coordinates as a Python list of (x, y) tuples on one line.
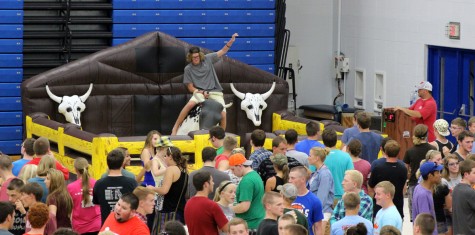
[(467, 90), (451, 72)]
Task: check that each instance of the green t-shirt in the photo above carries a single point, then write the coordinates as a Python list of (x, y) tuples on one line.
[(251, 189), (219, 151), (301, 219)]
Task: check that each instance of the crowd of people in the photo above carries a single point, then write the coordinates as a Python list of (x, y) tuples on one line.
[(347, 190)]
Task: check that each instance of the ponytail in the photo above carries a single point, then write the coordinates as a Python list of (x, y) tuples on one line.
[(82, 167), (320, 152), (285, 173), (175, 154)]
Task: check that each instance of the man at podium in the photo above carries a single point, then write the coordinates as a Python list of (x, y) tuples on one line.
[(424, 110)]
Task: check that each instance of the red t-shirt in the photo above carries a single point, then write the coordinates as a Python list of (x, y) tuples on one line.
[(218, 159), (59, 167), (204, 216), (428, 110), (133, 226), (3, 189), (364, 167)]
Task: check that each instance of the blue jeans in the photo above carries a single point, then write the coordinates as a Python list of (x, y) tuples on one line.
[(410, 191)]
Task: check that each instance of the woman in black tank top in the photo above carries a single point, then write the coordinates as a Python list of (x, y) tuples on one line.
[(282, 169), (440, 146), (174, 184)]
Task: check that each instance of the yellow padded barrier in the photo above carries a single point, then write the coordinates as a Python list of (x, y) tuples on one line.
[(281, 124), (101, 146)]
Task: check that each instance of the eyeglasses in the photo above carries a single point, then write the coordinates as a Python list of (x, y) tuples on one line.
[(453, 164)]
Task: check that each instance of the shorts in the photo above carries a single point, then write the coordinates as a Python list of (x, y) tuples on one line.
[(442, 227), (448, 217), (213, 95)]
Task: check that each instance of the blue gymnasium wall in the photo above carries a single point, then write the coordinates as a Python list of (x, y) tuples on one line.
[(206, 23), (11, 75)]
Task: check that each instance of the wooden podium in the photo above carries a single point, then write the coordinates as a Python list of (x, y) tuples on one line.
[(399, 126)]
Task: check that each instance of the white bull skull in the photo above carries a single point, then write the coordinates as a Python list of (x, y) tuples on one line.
[(71, 106), (253, 104)]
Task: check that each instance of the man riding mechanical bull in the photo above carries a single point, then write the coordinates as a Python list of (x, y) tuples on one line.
[(201, 80)]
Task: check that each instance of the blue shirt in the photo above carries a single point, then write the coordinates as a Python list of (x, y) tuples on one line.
[(305, 145), (388, 216), (258, 156), (41, 182), (321, 184), (338, 162), (311, 207), (349, 133), (371, 143), (340, 227), (17, 165)]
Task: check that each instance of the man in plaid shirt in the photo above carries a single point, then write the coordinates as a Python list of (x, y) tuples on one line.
[(258, 137), (352, 183)]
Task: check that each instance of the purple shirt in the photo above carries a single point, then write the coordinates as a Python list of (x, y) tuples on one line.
[(422, 202)]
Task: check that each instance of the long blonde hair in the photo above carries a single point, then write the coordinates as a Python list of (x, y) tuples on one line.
[(148, 140), (47, 162), (27, 172), (82, 167)]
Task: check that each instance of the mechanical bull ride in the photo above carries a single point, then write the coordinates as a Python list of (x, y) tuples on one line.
[(206, 114), (138, 87)]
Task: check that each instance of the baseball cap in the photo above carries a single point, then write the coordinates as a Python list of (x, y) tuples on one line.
[(429, 167), (425, 85), (194, 50), (164, 141), (288, 190), (279, 159), (239, 159), (442, 127)]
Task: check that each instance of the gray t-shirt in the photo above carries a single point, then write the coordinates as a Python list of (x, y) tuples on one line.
[(203, 76), (299, 156), (463, 217), (5, 232), (218, 177), (228, 212)]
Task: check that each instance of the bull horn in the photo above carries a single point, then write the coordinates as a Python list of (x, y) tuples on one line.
[(268, 93), (57, 99), (237, 93), (228, 105), (84, 97)]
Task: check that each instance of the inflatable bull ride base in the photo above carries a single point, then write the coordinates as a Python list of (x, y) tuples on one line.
[(114, 97)]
